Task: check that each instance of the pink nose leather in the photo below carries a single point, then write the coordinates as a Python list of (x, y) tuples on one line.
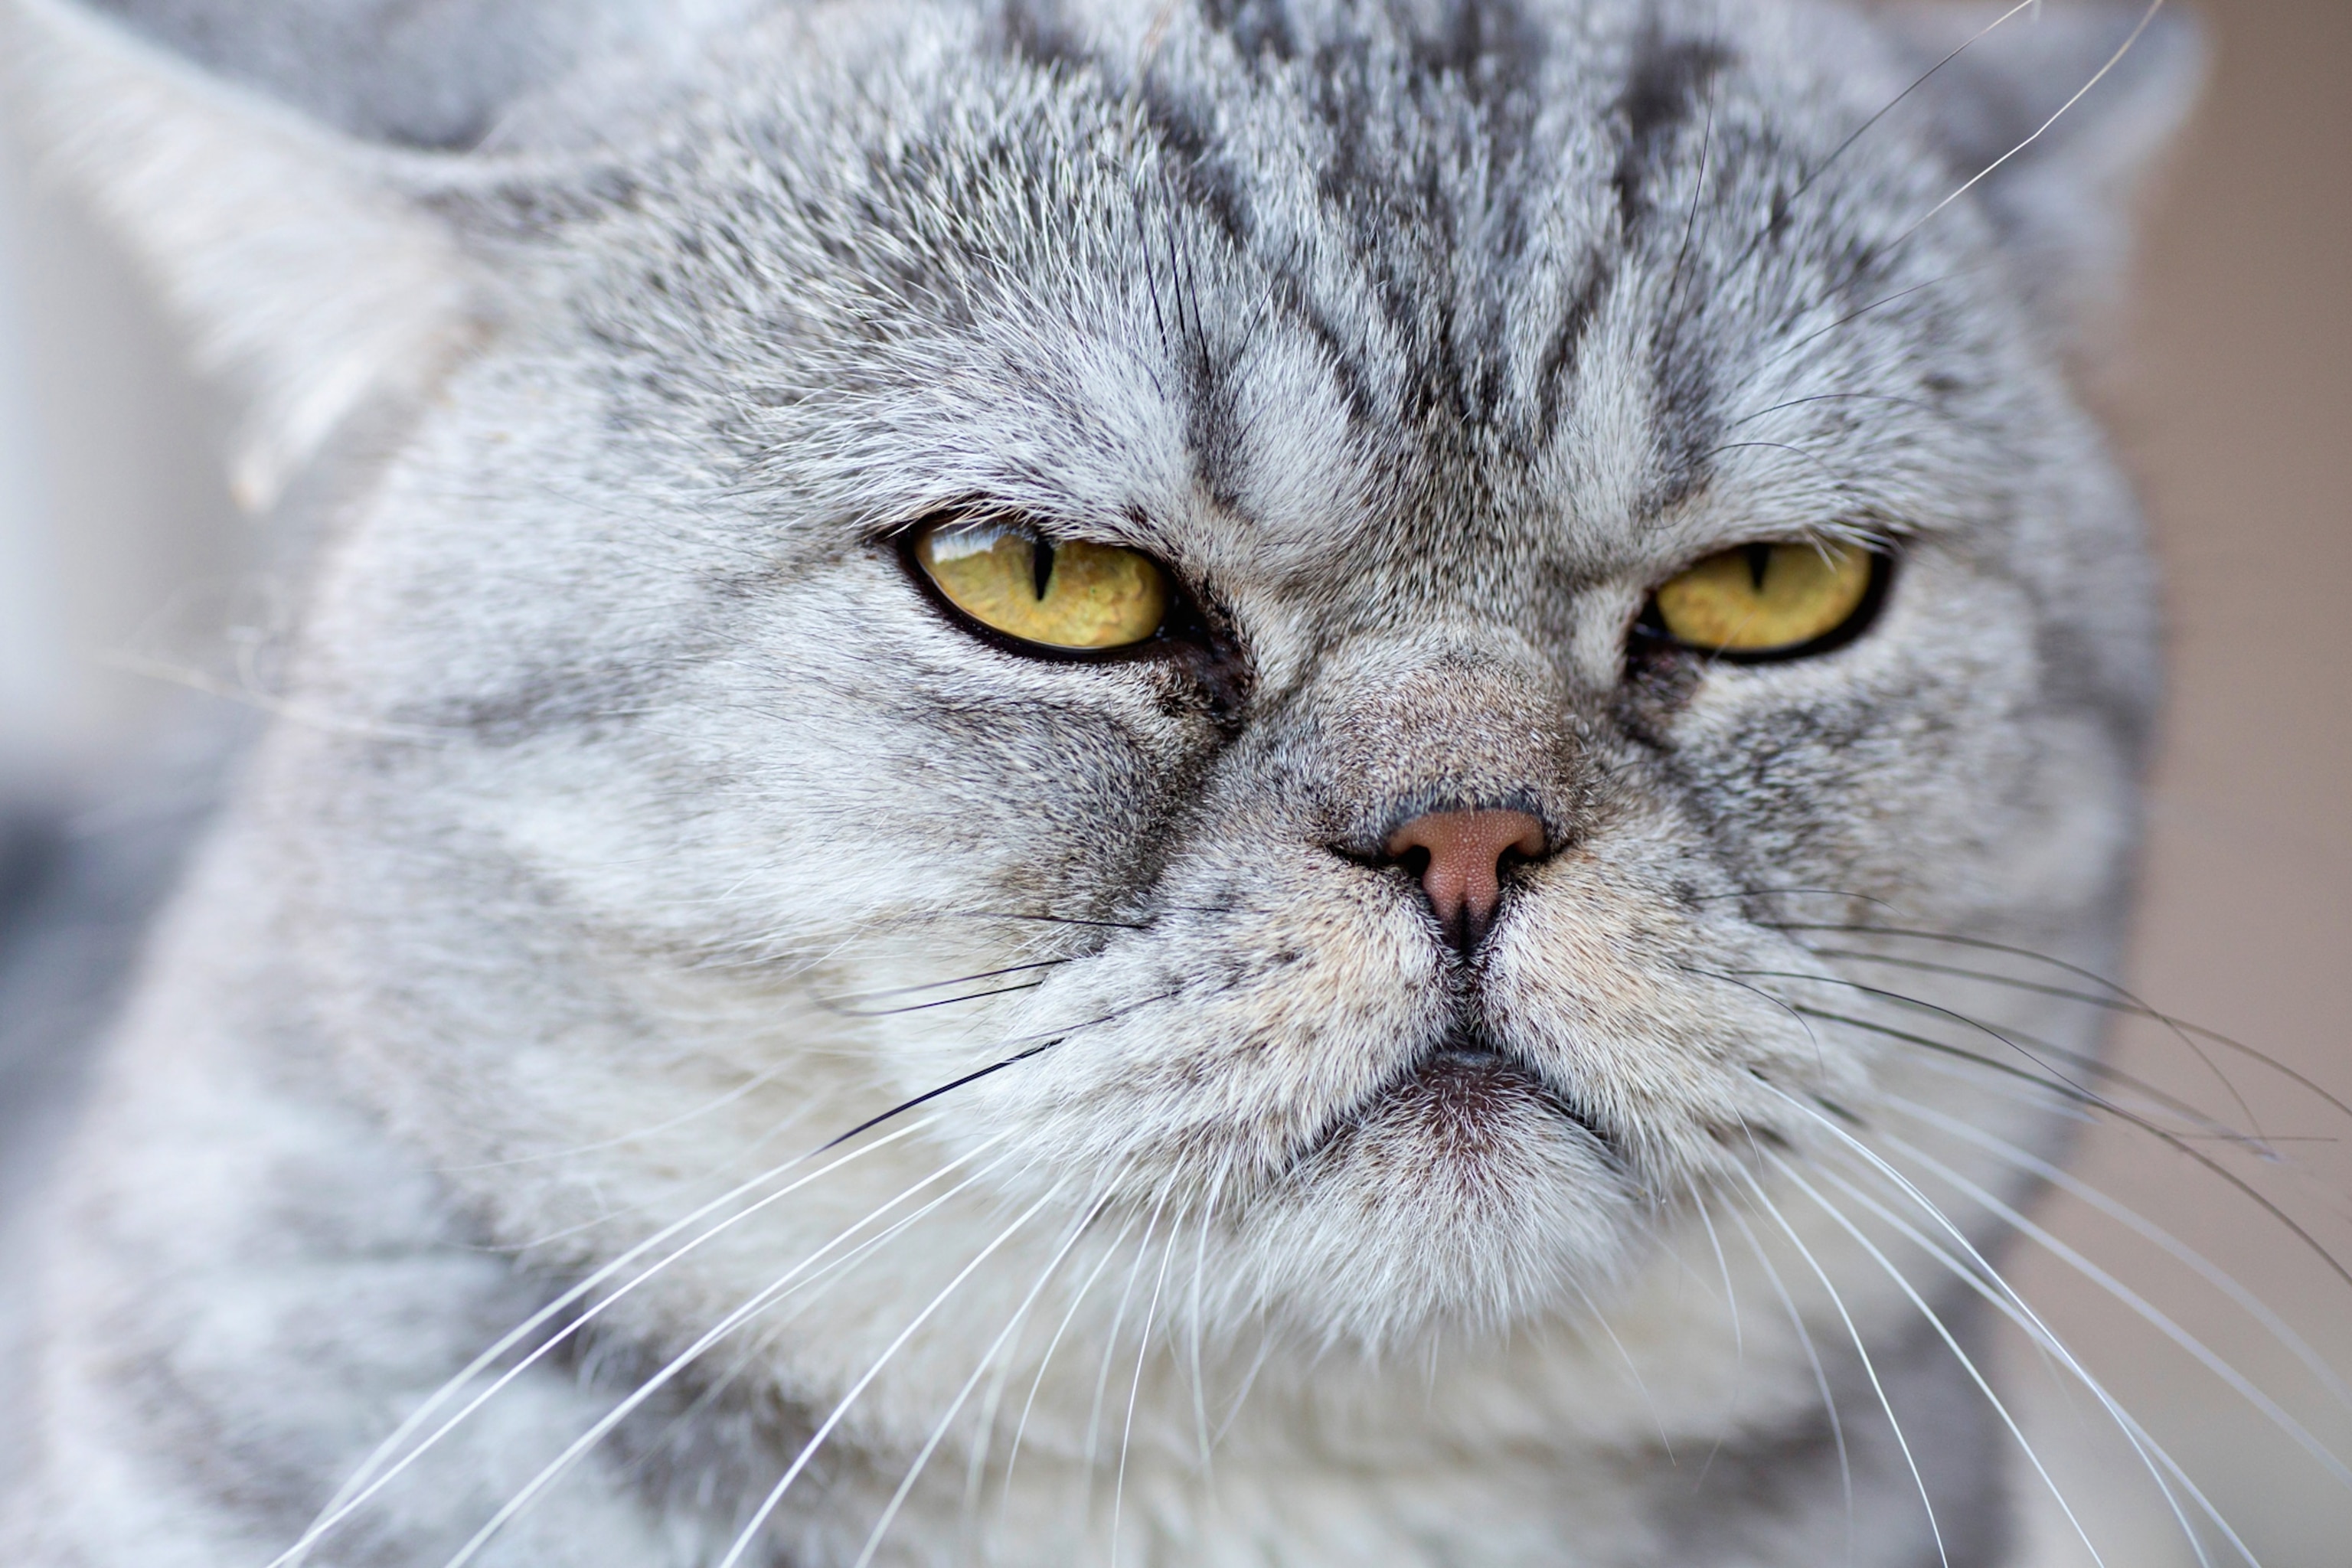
[(1465, 849)]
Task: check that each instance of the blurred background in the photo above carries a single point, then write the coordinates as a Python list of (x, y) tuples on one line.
[(2229, 389)]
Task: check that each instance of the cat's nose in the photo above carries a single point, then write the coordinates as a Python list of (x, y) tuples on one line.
[(1461, 874)]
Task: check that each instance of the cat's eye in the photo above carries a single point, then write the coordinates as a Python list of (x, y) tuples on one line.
[(1068, 594), (1769, 600)]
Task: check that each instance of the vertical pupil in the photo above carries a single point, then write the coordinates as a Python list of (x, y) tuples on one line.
[(1759, 560), (1041, 565)]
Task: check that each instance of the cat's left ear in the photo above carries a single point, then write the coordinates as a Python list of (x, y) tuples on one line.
[(2058, 114), (286, 173)]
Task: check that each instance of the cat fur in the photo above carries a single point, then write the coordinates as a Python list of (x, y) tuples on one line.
[(623, 782)]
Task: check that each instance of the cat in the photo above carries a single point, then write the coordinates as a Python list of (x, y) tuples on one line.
[(1204, 781)]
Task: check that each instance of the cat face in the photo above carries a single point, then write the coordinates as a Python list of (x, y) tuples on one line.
[(1407, 366), (1408, 880)]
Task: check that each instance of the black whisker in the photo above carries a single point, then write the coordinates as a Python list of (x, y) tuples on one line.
[(1841, 480), (2086, 1096), (1018, 915), (932, 1094), (2122, 1001), (938, 1002), (1042, 1046), (1778, 892), (942, 985), (1897, 997), (1821, 1067), (1836, 397), (2078, 1060)]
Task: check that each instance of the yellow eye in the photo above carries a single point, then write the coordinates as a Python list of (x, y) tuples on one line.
[(1069, 596), (1765, 598)]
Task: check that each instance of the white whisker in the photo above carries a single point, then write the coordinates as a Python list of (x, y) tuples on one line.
[(1967, 1363), (1814, 1360), (2096, 77), (2205, 1268), (364, 1484), (1869, 1369), (2141, 1306), (1987, 1281), (808, 1450), (1020, 1315), (1012, 1454), (1110, 1341), (742, 1314), (1135, 1388)]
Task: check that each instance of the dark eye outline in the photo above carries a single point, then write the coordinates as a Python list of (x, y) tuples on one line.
[(1183, 630), (1650, 627)]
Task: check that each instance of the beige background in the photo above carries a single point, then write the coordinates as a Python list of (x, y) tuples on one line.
[(2233, 397)]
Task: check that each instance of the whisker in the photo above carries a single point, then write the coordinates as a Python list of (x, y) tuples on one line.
[(943, 984), (2213, 1273), (1592, 1311), (1913, 1002), (1838, 480), (1043, 1045), (1110, 1341), (1199, 1269), (342, 1506), (2170, 1139), (1012, 1454), (1047, 919), (906, 1483), (1820, 1063), (1777, 892), (1997, 1292), (2121, 1001), (1813, 1359), (364, 1484), (605, 1424), (2086, 1063), (976, 1466), (1841, 149), (1869, 1369), (756, 1081), (2080, 1061), (1968, 1363), (808, 1450), (1135, 1387), (1850, 318), (2096, 77), (923, 1006), (2141, 1306), (1739, 1341), (1912, 403), (1249, 1381), (1988, 1283), (800, 1296), (1690, 229)]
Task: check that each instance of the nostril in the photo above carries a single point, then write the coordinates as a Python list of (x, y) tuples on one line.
[(1457, 855)]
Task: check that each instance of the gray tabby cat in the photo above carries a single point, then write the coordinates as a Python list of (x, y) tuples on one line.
[(1087, 781)]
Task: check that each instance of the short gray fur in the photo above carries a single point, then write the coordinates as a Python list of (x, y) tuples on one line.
[(624, 779)]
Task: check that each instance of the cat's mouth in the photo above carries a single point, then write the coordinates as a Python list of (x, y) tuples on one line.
[(1463, 1097)]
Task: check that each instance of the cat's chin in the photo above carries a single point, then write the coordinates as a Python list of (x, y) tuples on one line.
[(1463, 1103), (1468, 1194)]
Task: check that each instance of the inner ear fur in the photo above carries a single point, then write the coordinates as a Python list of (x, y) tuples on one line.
[(310, 266), (2068, 105)]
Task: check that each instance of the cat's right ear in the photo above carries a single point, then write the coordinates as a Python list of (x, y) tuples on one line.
[(2053, 113), (308, 262)]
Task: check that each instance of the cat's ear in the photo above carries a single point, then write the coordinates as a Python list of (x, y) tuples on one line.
[(2057, 111), (293, 230)]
